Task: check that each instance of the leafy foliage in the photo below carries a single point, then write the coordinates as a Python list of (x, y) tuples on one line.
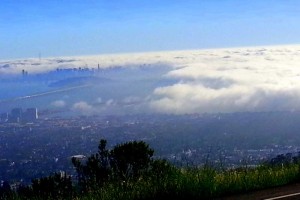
[(125, 161), (55, 186), (95, 172), (5, 190), (130, 160)]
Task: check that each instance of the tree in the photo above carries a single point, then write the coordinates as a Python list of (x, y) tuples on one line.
[(131, 159), (95, 172), (123, 162), (55, 186), (25, 192), (5, 190)]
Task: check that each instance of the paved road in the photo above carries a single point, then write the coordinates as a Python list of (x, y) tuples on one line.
[(287, 196), (288, 192)]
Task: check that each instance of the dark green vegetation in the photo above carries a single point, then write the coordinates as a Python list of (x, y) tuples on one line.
[(128, 171)]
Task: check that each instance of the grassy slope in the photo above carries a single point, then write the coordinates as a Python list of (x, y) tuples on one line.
[(194, 183), (203, 183)]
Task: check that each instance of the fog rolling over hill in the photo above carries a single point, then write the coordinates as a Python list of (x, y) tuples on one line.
[(180, 82)]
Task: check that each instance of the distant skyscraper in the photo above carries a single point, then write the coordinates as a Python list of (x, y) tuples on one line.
[(16, 115), (4, 117), (30, 115)]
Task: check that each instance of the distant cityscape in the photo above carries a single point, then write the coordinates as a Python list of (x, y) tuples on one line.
[(17, 115), (82, 70), (34, 144)]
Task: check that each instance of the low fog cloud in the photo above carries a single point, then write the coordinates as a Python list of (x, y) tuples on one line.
[(191, 98), (83, 108), (236, 80), (59, 103), (220, 80)]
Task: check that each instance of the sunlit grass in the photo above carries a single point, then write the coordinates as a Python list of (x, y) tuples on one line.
[(199, 183), (170, 182)]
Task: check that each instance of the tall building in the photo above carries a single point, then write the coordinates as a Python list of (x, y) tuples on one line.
[(4, 117), (16, 115), (30, 115)]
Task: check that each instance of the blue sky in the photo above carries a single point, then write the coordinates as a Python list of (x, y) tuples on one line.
[(74, 27)]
